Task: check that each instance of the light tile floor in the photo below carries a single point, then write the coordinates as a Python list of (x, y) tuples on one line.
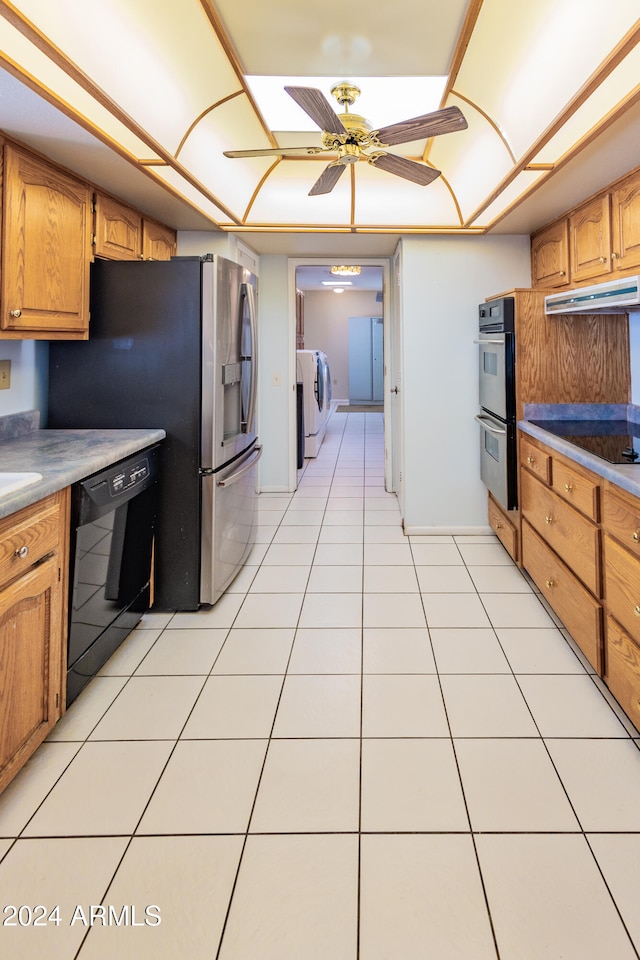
[(372, 747)]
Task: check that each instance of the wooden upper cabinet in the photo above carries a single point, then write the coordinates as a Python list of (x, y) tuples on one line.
[(46, 250), (122, 233), (625, 223), (550, 256), (158, 241), (117, 230), (590, 239)]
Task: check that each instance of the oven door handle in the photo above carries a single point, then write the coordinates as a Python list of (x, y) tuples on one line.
[(485, 423), (499, 343)]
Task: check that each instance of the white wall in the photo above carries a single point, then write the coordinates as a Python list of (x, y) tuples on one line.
[(276, 399), (634, 332), (443, 281), (29, 376), (326, 327)]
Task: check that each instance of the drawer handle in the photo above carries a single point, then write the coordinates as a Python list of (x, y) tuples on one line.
[(635, 536), (550, 583), (568, 487), (22, 552), (548, 519)]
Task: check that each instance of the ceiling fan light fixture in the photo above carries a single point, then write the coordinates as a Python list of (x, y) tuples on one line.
[(346, 270)]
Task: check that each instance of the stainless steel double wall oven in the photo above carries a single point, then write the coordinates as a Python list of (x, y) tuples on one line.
[(497, 395)]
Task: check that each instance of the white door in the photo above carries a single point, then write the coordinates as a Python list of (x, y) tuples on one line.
[(395, 381), (366, 360)]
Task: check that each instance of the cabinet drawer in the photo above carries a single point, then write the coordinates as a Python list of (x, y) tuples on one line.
[(570, 534), (535, 460), (623, 670), (28, 536), (576, 489), (622, 584), (622, 520), (579, 612), (504, 529)]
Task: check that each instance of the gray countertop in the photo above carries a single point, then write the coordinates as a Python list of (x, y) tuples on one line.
[(626, 476), (63, 457)]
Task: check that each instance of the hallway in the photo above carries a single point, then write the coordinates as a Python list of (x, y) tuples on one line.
[(372, 748)]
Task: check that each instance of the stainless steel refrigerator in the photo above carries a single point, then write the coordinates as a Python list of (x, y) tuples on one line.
[(174, 345)]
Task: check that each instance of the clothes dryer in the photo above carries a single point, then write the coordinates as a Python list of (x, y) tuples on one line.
[(314, 374)]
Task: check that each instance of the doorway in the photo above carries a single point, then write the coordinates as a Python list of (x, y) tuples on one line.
[(319, 320)]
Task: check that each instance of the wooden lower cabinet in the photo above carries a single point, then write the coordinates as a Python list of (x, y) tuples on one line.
[(504, 528), (573, 537), (535, 459), (622, 669), (580, 543), (33, 564), (623, 586), (579, 611)]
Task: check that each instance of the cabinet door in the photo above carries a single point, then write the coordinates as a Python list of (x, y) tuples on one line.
[(46, 250), (31, 662), (550, 256), (590, 239), (118, 230), (158, 241), (625, 224)]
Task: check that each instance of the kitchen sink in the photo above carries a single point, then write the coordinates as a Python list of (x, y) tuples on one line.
[(11, 482)]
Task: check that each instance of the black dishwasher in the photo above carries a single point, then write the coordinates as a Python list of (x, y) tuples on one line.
[(113, 516)]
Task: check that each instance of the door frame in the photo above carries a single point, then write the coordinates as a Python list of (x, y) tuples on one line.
[(385, 264)]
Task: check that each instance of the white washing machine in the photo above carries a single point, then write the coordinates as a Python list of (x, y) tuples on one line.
[(315, 376)]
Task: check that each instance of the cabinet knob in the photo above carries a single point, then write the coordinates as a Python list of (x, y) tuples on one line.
[(603, 259), (550, 583), (615, 256), (568, 487), (548, 519), (636, 610), (562, 273), (15, 313), (530, 459), (22, 552), (635, 536)]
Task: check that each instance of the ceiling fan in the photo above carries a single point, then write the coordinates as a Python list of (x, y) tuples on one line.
[(351, 136)]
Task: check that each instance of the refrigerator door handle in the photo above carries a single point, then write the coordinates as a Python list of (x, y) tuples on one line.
[(257, 453), (246, 293)]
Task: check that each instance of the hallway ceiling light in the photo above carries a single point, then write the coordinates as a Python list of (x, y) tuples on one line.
[(336, 283), (338, 290), (346, 271)]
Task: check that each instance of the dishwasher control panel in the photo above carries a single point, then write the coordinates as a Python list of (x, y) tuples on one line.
[(132, 475), (117, 483)]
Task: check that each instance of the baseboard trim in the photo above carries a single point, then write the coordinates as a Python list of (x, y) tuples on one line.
[(449, 531)]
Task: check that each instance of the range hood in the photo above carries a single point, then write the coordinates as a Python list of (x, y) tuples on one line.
[(615, 296)]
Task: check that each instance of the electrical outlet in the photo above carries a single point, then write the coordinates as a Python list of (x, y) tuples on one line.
[(5, 374)]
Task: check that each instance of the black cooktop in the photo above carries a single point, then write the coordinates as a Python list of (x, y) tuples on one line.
[(617, 441)]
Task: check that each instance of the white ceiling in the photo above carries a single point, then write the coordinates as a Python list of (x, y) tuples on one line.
[(143, 96)]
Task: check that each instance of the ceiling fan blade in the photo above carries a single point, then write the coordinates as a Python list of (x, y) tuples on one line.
[(274, 152), (314, 103), (447, 120), (409, 169), (327, 179)]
